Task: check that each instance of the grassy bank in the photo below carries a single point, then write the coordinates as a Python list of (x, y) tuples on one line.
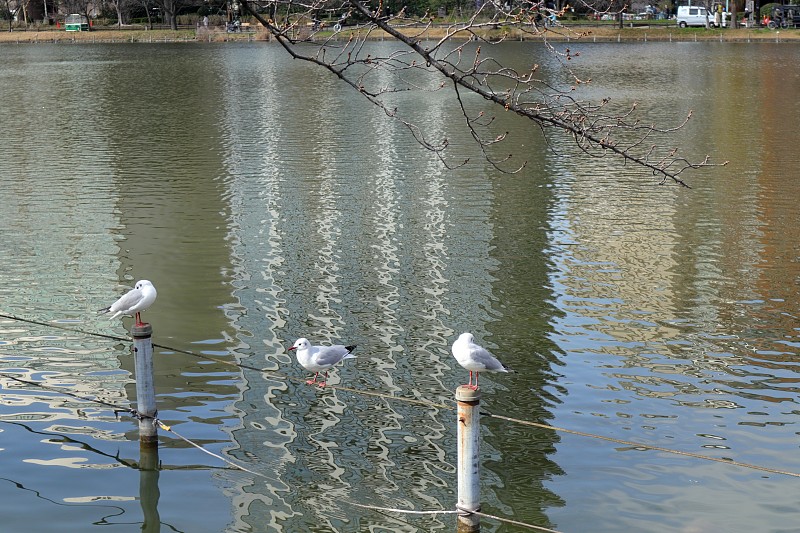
[(585, 33)]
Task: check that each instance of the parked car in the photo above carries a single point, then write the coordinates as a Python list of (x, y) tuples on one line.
[(696, 16)]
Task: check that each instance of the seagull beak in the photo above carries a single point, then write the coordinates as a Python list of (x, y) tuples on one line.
[(292, 348)]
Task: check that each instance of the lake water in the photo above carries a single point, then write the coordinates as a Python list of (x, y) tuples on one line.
[(267, 202)]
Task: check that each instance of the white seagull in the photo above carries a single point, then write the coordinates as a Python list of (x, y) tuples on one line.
[(320, 358), (475, 358), (133, 302)]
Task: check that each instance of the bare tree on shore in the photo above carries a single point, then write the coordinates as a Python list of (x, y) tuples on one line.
[(122, 9), (9, 10), (169, 10), (462, 62)]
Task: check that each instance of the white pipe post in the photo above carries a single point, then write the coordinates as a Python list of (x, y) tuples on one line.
[(145, 388), (469, 489)]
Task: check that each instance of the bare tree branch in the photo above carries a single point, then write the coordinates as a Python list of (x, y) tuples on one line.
[(460, 62)]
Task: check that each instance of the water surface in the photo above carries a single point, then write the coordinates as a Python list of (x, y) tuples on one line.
[(267, 202)]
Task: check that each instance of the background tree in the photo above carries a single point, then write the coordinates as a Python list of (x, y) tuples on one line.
[(170, 10), (148, 6), (29, 11), (121, 10), (462, 62), (11, 9), (7, 9)]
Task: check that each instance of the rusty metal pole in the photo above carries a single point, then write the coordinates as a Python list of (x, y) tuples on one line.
[(145, 388), (469, 489)]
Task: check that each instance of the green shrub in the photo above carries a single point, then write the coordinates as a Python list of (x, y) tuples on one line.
[(766, 10)]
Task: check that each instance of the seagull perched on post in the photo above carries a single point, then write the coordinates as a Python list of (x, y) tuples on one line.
[(133, 302), (475, 358), (320, 358)]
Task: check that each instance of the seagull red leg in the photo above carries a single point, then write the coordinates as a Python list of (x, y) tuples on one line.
[(313, 381), (469, 383), (323, 383)]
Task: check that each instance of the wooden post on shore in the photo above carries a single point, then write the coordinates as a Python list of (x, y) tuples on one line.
[(469, 489), (145, 389)]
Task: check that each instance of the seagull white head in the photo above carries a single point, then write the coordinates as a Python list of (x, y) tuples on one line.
[(301, 344)]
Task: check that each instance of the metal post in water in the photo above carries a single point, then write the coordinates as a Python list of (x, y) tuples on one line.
[(149, 493), (469, 489), (145, 388)]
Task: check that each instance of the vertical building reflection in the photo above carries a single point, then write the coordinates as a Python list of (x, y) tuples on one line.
[(522, 324)]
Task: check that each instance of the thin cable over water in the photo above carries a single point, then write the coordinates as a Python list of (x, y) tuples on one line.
[(165, 427), (162, 425), (416, 401), (120, 409), (458, 510), (642, 445)]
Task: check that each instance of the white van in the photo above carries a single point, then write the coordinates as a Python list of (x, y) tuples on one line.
[(693, 16)]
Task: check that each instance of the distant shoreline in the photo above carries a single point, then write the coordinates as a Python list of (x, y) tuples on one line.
[(570, 33)]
